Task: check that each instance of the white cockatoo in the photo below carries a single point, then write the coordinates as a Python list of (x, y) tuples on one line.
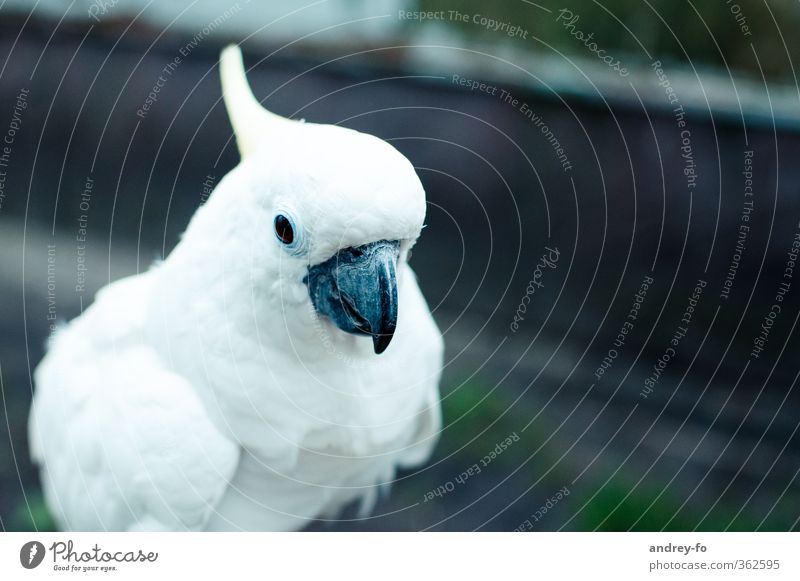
[(247, 382)]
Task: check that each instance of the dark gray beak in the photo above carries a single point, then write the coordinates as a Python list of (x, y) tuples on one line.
[(357, 289)]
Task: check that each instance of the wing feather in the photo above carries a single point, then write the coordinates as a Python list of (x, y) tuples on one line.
[(123, 442)]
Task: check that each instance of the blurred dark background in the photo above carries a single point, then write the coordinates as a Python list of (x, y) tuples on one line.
[(713, 446)]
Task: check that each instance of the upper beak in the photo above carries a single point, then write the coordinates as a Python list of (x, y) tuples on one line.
[(357, 289)]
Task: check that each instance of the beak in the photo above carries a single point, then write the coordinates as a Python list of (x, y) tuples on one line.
[(357, 289)]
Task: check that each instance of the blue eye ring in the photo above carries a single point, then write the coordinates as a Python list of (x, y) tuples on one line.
[(287, 230)]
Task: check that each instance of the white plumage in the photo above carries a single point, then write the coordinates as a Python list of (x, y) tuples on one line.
[(208, 393)]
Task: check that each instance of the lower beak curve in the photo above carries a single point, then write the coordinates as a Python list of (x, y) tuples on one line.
[(357, 289)]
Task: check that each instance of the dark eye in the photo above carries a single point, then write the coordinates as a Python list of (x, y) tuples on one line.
[(283, 229)]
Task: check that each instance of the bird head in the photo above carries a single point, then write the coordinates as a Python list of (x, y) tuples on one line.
[(333, 212)]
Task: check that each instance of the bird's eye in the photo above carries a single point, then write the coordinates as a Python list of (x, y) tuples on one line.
[(284, 229)]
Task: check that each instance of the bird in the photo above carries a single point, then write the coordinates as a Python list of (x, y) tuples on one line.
[(277, 367)]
